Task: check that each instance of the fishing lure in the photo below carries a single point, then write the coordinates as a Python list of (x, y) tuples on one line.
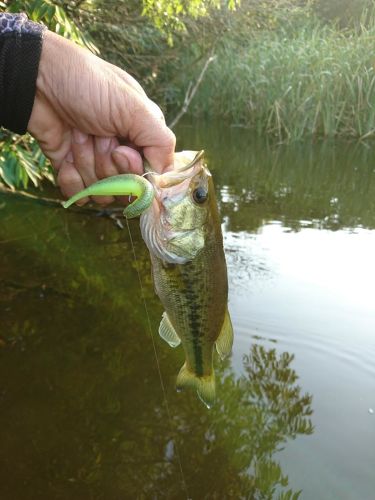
[(119, 185)]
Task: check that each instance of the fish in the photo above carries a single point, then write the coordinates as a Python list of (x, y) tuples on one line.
[(181, 226), (182, 230)]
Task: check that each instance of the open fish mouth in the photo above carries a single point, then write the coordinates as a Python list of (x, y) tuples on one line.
[(187, 164), (197, 157), (166, 229)]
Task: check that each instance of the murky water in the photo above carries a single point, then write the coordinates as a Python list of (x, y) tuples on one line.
[(82, 413)]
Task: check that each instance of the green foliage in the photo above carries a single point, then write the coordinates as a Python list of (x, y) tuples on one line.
[(345, 12), (313, 81), (280, 70), (20, 161), (170, 16), (62, 18), (137, 35)]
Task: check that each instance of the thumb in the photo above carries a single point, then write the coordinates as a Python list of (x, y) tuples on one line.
[(149, 132), (161, 158)]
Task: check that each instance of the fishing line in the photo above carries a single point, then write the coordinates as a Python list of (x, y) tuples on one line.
[(158, 364)]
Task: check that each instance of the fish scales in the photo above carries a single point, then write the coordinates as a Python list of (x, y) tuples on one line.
[(195, 297)]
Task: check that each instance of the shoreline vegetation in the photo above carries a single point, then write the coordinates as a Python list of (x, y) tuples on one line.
[(317, 82), (290, 69)]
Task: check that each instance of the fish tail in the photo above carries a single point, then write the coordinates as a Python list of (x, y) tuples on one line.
[(205, 385)]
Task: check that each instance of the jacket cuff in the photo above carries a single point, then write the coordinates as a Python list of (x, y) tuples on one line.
[(20, 51)]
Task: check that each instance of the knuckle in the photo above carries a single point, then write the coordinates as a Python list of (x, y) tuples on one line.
[(64, 176), (69, 179), (155, 111), (170, 138)]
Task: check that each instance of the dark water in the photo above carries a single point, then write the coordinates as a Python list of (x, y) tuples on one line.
[(82, 413)]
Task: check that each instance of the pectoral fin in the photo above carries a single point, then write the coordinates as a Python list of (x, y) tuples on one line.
[(225, 340), (205, 386), (167, 332)]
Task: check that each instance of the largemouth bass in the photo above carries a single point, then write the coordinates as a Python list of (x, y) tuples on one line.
[(181, 227), (182, 231)]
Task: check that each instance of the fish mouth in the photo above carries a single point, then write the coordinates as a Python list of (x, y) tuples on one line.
[(172, 186), (170, 189), (187, 164), (196, 158)]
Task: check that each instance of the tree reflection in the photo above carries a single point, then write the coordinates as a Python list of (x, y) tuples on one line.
[(91, 419), (82, 414), (231, 450), (329, 185)]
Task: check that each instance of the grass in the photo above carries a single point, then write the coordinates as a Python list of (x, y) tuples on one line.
[(317, 81)]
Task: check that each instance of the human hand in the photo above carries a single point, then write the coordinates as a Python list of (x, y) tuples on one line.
[(83, 105)]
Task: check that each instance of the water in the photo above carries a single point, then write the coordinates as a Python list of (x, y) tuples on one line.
[(81, 408)]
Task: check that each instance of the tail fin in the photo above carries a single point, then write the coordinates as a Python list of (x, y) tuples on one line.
[(205, 385)]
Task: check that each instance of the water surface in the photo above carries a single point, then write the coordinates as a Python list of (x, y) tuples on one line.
[(82, 413)]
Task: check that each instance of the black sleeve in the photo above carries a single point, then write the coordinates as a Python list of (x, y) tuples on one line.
[(20, 50)]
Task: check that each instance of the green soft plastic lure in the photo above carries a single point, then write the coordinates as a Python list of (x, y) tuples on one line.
[(120, 185)]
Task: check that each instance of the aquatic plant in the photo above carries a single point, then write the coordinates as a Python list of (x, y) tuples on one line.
[(314, 80)]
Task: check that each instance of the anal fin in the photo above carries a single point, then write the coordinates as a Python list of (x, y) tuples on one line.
[(167, 332), (225, 340)]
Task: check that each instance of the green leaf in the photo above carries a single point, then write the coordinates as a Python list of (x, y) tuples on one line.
[(10, 170)]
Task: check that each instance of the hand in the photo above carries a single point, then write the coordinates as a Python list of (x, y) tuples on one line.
[(82, 106)]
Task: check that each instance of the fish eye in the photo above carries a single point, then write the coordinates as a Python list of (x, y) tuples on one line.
[(200, 195)]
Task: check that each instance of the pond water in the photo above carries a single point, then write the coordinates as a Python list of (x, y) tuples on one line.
[(82, 413)]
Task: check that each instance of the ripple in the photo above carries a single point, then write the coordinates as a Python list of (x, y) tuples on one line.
[(329, 348)]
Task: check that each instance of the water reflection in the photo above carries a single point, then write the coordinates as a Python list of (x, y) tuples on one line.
[(81, 410), (323, 185), (80, 423)]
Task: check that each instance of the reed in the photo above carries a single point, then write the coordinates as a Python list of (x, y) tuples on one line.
[(312, 81)]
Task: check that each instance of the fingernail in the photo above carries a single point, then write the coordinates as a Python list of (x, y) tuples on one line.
[(121, 159), (102, 144), (79, 137)]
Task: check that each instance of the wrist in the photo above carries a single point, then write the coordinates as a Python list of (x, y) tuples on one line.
[(49, 82)]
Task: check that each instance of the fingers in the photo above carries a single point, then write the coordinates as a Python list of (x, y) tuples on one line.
[(70, 181), (128, 160), (104, 164), (84, 155), (94, 158), (117, 107)]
